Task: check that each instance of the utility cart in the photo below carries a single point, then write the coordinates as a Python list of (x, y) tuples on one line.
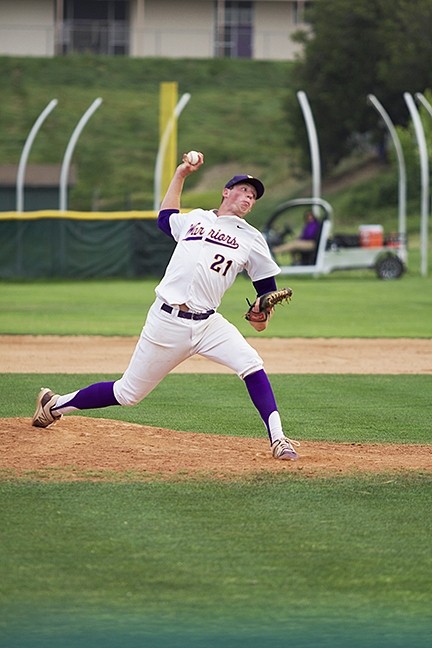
[(369, 248)]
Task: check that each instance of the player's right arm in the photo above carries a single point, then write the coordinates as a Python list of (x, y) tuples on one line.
[(172, 198)]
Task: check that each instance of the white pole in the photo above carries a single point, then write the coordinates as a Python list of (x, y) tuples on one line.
[(426, 104), (69, 150), (313, 144), (19, 200), (162, 148), (422, 99), (402, 171), (424, 170)]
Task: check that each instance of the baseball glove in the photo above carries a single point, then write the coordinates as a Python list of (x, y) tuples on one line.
[(263, 307)]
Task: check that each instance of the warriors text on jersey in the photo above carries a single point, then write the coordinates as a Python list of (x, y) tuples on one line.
[(211, 251)]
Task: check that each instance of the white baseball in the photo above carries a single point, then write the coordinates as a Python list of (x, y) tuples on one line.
[(193, 157)]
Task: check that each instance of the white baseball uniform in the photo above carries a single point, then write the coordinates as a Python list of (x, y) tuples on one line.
[(211, 251)]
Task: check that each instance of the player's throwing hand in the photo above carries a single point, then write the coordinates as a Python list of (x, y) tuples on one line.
[(193, 160)]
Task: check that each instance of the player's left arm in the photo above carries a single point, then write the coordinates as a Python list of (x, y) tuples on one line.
[(263, 307), (262, 287), (261, 264)]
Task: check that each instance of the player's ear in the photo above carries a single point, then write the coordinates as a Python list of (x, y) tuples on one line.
[(226, 192)]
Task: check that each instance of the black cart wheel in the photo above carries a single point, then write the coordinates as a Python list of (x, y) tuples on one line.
[(389, 266)]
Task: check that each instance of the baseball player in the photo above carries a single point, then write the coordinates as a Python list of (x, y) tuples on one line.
[(213, 247)]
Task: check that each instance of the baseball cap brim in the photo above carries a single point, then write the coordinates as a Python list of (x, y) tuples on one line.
[(248, 179)]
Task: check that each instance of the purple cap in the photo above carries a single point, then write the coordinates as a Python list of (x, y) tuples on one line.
[(248, 179)]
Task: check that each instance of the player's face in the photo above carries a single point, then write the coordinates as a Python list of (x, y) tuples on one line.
[(240, 199)]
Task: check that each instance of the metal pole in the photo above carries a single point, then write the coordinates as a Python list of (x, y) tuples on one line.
[(426, 104), (402, 170), (69, 150), (19, 200), (162, 148), (424, 170), (422, 99), (313, 144)]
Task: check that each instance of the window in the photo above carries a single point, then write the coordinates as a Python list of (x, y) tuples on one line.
[(234, 29), (98, 26)]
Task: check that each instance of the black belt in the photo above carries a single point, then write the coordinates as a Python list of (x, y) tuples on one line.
[(187, 314)]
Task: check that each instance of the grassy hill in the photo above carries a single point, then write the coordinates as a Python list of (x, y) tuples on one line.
[(236, 116)]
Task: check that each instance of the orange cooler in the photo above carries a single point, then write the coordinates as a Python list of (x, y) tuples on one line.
[(371, 235)]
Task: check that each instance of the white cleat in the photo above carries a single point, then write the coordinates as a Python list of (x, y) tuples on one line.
[(43, 416), (284, 449)]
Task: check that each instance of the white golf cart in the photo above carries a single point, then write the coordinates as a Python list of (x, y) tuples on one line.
[(387, 255)]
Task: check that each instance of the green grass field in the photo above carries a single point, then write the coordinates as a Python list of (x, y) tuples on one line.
[(270, 561), (339, 305)]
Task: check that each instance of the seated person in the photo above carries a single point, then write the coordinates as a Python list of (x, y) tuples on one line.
[(307, 240)]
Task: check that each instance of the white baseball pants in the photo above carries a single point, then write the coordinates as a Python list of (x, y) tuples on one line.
[(167, 340)]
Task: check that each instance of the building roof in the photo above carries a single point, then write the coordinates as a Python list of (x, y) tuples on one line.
[(36, 175)]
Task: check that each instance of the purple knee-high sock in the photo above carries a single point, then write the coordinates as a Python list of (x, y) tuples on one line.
[(92, 397), (261, 393)]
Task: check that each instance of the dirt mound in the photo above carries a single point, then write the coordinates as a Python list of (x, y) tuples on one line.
[(81, 448)]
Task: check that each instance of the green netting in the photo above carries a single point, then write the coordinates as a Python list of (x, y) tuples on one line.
[(63, 247)]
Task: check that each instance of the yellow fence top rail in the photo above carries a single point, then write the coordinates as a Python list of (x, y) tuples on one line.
[(75, 215)]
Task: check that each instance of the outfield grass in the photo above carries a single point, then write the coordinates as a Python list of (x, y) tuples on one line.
[(356, 306), (275, 562)]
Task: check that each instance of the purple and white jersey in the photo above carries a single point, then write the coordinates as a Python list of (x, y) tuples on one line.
[(211, 251)]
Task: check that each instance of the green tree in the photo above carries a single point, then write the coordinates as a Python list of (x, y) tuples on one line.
[(353, 49)]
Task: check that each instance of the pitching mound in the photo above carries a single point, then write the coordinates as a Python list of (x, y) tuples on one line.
[(81, 448)]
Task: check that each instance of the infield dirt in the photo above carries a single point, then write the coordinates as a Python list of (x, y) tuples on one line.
[(86, 448)]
